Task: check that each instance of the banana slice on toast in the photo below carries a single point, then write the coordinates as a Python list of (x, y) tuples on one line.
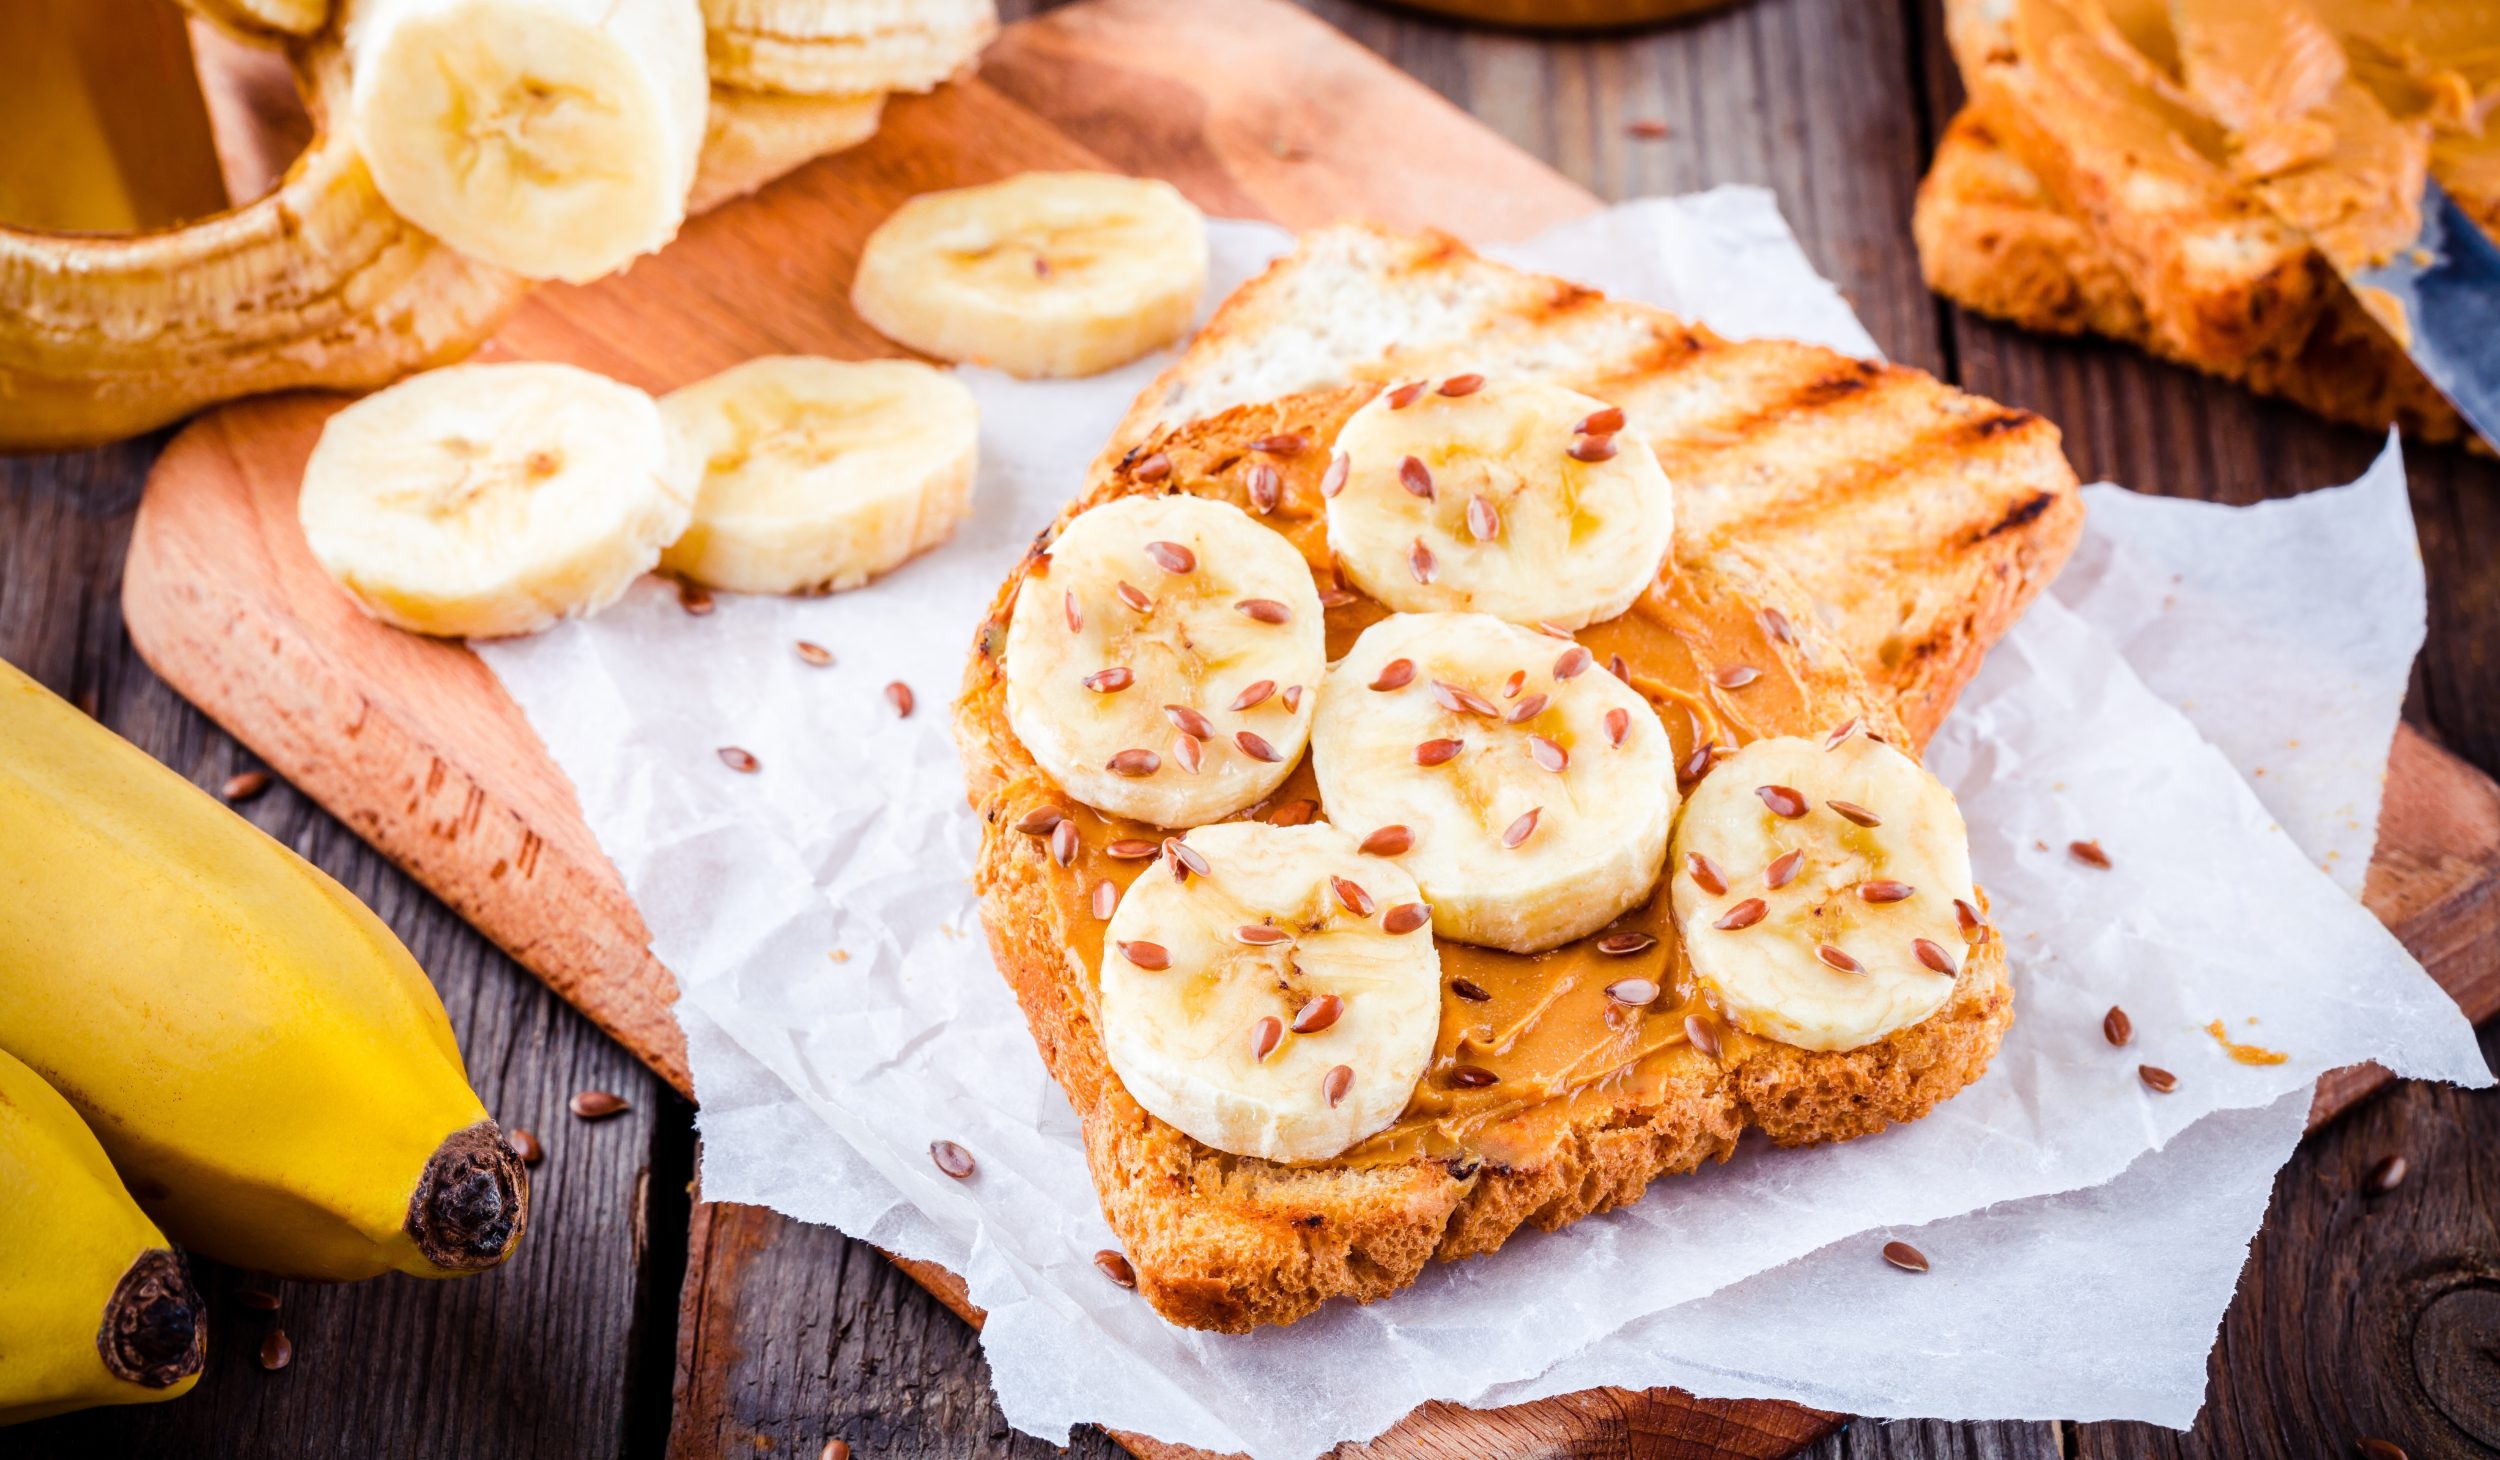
[(1527, 790), (1823, 890), (1280, 1004)]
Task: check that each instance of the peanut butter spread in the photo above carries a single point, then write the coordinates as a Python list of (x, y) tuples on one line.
[(1528, 1044)]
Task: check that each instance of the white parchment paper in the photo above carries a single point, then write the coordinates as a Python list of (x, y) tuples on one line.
[(841, 1011)]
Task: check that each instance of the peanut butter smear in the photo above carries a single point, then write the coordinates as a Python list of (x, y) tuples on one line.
[(2247, 1054), (1554, 1043)]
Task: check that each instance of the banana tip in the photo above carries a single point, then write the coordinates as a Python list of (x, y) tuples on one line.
[(472, 1204), (154, 1333)]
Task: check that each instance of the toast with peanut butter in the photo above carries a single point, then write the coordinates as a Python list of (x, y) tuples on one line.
[(1386, 863)]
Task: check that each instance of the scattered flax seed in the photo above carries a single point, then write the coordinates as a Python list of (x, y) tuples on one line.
[(1573, 662), (1336, 596), (1134, 596), (1620, 945), (1318, 1014), (1840, 735), (1742, 916), (1292, 699), (1777, 628), (1189, 721), (242, 786), (261, 1300), (1783, 870), (1852, 811), (1883, 890), (1063, 843), (1518, 832), (1110, 681), (1932, 954), (2117, 1028), (1548, 755), (1351, 896), (1134, 762), (1152, 957), (1407, 394), (1332, 481), (1389, 841), (1190, 752), (1484, 520), (1832, 957), (741, 761), (277, 1350), (2157, 1079), (1075, 612), (1531, 707), (1296, 812), (1254, 693), (1783, 800), (1153, 468), (1972, 925), (1905, 1257), (596, 1104), (835, 1450), (1406, 917), (1259, 935), (1470, 990), (1593, 449), (2372, 1449), (1133, 849), (1415, 477), (1458, 385), (1514, 683), (1697, 764), (1396, 674), (1420, 562), (1172, 558), (1647, 129), (952, 1159), (1600, 423), (1335, 1084), (1473, 1077), (1699, 1034), (898, 694), (1113, 1266), (1255, 746), (1638, 993), (1705, 873), (1735, 676), (2386, 1174), (694, 598), (1041, 267), (820, 657), (1284, 443), (1185, 858), (1106, 900), (1460, 700), (2089, 854), (1438, 752), (1616, 667), (1618, 726), (1266, 488)]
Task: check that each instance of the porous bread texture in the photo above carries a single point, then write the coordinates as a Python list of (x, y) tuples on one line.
[(1992, 239), (1232, 1243)]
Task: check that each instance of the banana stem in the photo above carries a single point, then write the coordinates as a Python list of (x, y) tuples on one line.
[(155, 1331), (473, 1202)]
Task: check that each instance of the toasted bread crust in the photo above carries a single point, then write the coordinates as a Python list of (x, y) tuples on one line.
[(1231, 1243)]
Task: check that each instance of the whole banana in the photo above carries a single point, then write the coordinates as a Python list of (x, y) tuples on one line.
[(269, 1068), (99, 1309)]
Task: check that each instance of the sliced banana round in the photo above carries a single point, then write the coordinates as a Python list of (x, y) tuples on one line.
[(1163, 660), (1823, 893), (827, 47), (1513, 498), (1265, 1007), (751, 138), (486, 500), (1045, 274), (554, 138), (818, 475), (1531, 789)]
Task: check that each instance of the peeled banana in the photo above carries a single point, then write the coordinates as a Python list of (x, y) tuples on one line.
[(270, 1071), (843, 47), (95, 1307)]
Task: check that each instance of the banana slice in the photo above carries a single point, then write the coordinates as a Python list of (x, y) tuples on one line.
[(818, 475), (1164, 658), (1265, 1007), (751, 138), (1516, 499), (554, 138), (485, 500), (830, 47), (1046, 274), (1533, 788), (1824, 895)]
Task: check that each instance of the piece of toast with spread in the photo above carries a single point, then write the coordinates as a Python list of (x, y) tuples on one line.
[(1849, 538)]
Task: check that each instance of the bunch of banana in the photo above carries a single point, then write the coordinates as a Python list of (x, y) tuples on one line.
[(268, 1069), (100, 1310), (461, 149)]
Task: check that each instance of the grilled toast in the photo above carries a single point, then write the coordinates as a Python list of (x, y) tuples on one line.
[(1948, 507)]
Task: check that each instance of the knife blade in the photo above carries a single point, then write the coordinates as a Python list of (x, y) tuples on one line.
[(2440, 297)]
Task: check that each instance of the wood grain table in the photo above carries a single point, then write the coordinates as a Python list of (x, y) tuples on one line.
[(639, 1321)]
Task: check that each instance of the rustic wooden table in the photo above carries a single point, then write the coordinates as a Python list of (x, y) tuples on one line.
[(638, 1321)]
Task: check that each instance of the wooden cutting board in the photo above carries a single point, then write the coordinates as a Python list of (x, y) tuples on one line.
[(413, 743)]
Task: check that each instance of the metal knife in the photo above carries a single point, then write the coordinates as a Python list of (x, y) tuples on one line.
[(2440, 297)]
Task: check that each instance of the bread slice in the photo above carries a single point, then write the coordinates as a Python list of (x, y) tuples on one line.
[(1992, 239), (1899, 526)]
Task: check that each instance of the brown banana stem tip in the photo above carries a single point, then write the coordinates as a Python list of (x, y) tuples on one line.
[(473, 1202), (153, 1333)]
